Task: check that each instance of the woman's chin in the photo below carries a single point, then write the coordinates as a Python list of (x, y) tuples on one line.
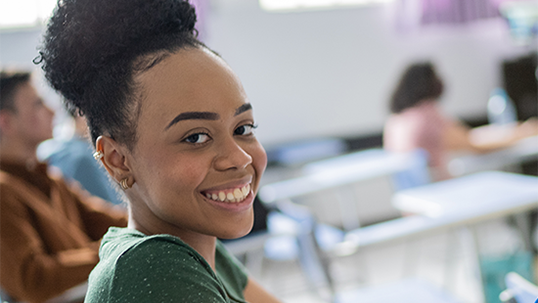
[(236, 233)]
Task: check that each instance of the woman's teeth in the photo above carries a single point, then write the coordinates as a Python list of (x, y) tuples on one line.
[(237, 195)]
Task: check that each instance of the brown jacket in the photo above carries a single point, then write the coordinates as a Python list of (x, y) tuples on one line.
[(49, 243)]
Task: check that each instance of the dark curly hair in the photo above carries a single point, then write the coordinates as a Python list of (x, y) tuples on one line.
[(9, 84), (93, 49), (418, 83)]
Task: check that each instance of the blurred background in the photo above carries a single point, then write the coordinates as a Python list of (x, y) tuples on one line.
[(320, 74), (328, 69)]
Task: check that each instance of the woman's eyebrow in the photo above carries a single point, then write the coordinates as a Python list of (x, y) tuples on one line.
[(243, 108), (193, 116), (205, 115)]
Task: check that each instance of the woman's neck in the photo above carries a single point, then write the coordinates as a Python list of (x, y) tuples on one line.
[(203, 244)]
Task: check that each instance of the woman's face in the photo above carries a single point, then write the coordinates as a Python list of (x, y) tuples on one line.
[(196, 164)]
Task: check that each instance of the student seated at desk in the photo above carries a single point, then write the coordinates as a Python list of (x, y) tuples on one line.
[(417, 122), (74, 158), (171, 123), (49, 231)]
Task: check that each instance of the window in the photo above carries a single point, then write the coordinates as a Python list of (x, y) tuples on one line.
[(299, 5), (522, 17), (25, 13)]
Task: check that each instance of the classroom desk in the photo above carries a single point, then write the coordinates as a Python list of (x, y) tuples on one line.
[(526, 149), (455, 204), (449, 204), (465, 201), (476, 197), (340, 171), (330, 174), (345, 170)]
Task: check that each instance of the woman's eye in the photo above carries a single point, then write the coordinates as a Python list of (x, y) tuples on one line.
[(244, 130), (197, 138)]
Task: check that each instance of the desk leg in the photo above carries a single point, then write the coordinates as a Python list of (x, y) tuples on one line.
[(450, 261), (348, 208), (523, 224), (412, 249), (469, 243), (315, 267)]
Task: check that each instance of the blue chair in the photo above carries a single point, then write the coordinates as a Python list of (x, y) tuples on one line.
[(298, 153), (519, 290), (416, 175)]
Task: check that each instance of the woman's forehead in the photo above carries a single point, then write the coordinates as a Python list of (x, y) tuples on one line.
[(190, 80)]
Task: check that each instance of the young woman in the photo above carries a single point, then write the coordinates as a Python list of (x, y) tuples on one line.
[(172, 125), (417, 122)]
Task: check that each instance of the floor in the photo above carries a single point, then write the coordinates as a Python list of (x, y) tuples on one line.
[(437, 260)]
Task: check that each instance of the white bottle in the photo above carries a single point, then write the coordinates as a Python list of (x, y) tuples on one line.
[(501, 110)]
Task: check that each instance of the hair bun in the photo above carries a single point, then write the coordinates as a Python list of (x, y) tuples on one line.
[(91, 47), (87, 34)]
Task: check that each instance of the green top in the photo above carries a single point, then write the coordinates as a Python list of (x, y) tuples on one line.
[(134, 267)]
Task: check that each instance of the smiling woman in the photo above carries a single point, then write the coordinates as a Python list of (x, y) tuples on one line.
[(172, 125)]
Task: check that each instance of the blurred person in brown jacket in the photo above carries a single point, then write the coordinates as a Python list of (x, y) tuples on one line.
[(49, 230)]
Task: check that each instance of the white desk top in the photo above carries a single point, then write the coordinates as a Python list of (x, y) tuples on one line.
[(448, 204), (525, 149), (339, 171), (485, 192)]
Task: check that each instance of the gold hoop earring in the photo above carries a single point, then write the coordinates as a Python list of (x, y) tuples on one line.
[(124, 185), (98, 155)]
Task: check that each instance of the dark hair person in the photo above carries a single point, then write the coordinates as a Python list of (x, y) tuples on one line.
[(50, 230), (9, 83), (419, 83), (172, 125), (417, 122)]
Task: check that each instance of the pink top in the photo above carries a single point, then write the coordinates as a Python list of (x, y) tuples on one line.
[(422, 126)]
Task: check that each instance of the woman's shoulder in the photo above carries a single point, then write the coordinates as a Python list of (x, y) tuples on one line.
[(148, 268), (231, 272), (125, 247), (126, 240)]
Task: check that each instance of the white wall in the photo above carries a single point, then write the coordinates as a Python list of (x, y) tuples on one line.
[(330, 73), (19, 47)]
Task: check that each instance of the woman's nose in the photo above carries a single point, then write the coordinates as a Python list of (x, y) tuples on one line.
[(231, 155)]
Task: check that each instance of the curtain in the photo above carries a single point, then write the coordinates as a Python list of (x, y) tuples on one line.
[(458, 11), (201, 7)]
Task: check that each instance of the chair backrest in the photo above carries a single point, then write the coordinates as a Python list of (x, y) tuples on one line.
[(519, 289), (298, 153), (416, 175)]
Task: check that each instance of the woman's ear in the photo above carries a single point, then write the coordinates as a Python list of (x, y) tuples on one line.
[(113, 157)]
